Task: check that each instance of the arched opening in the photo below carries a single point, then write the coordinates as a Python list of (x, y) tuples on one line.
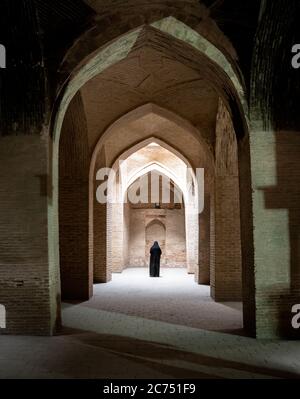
[(191, 137), (156, 231), (151, 182)]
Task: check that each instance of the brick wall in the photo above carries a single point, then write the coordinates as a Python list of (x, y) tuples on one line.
[(175, 238), (172, 232), (202, 275), (227, 278), (126, 234), (24, 268), (247, 246), (101, 221), (116, 237), (212, 247), (76, 279), (276, 208), (155, 231)]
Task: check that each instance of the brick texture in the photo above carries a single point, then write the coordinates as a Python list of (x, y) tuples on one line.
[(24, 270), (76, 279), (227, 279)]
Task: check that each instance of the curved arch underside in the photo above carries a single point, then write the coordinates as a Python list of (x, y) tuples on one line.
[(212, 63), (171, 93)]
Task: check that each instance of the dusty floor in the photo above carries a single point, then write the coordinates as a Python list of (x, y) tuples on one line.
[(140, 327)]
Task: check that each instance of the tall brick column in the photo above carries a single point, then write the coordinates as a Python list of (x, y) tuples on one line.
[(203, 275), (276, 211), (227, 277), (25, 280), (275, 155), (76, 279), (99, 250)]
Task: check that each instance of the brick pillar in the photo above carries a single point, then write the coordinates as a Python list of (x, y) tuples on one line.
[(276, 213), (275, 155), (126, 235), (192, 234), (247, 247), (203, 275), (76, 279), (212, 247), (99, 253), (26, 281), (117, 237), (101, 272), (226, 278)]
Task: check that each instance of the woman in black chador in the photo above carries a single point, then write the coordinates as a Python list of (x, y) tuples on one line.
[(155, 252)]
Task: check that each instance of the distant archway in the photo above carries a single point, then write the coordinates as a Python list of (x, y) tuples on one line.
[(156, 231), (182, 194)]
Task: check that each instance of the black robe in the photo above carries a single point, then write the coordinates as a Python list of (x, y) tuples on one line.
[(155, 252)]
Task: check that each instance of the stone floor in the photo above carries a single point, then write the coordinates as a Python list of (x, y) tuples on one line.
[(141, 327)]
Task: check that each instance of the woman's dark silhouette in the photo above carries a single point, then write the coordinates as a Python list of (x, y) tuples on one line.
[(155, 252)]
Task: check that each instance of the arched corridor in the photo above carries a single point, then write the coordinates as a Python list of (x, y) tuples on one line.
[(153, 187), (171, 192), (106, 251), (150, 121)]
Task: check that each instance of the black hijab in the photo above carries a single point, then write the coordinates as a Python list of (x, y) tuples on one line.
[(155, 245)]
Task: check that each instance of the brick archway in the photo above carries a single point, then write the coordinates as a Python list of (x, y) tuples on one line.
[(205, 51), (155, 230), (100, 256), (114, 212)]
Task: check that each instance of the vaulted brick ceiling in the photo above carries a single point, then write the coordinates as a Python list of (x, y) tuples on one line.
[(149, 76), (38, 34)]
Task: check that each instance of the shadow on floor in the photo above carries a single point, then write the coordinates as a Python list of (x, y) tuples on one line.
[(156, 356), (206, 322)]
